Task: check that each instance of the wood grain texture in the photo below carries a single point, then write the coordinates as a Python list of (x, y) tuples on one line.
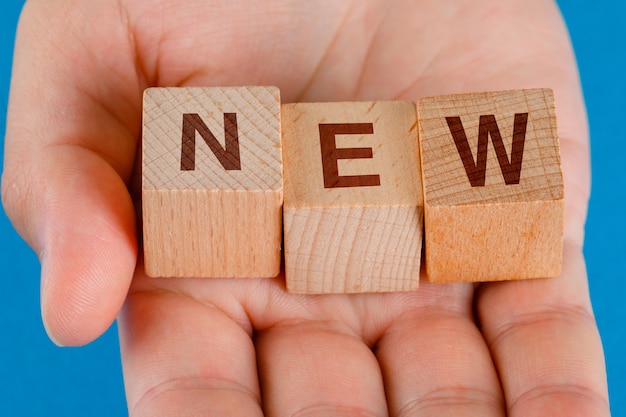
[(353, 202), (212, 182), (493, 188)]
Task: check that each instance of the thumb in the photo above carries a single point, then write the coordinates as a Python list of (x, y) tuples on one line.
[(69, 151)]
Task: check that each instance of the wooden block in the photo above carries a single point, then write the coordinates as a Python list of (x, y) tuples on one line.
[(353, 202), (493, 188), (212, 182)]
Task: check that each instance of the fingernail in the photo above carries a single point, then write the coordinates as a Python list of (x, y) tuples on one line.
[(42, 297)]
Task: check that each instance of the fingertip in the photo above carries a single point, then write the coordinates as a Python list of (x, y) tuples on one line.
[(83, 288)]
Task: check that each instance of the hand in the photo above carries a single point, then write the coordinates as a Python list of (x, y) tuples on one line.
[(246, 347)]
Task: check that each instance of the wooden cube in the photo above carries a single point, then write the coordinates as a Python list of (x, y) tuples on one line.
[(212, 182), (353, 201), (493, 188)]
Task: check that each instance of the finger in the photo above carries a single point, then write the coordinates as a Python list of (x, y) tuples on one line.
[(88, 250), (69, 151), (185, 358), (434, 359), (311, 368), (545, 343)]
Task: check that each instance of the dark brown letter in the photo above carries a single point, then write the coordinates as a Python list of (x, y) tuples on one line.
[(331, 154), (227, 156), (476, 171)]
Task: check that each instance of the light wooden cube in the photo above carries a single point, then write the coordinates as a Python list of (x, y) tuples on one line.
[(353, 197), (493, 188), (212, 182)]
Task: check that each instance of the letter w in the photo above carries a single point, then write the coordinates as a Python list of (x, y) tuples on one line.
[(227, 156), (476, 170)]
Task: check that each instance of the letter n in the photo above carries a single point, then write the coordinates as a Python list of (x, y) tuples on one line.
[(228, 155)]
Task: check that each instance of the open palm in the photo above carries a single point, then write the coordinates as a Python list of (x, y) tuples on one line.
[(245, 347)]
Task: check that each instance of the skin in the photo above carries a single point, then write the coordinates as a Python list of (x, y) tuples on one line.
[(246, 347)]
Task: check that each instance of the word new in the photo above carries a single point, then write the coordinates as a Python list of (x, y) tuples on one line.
[(349, 192)]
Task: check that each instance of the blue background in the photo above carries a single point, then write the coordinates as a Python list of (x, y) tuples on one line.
[(37, 378)]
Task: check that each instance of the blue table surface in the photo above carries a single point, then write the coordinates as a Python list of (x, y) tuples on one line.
[(40, 379)]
